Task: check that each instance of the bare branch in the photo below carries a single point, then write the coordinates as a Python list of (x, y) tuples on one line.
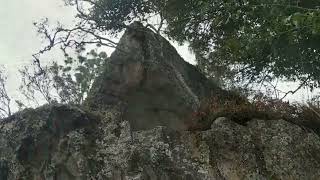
[(33, 83), (302, 84), (76, 37), (161, 24), (5, 100)]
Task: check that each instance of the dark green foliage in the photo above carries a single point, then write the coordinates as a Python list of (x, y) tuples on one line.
[(259, 40), (277, 37)]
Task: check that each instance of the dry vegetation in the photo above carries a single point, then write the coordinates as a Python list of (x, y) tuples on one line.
[(237, 108)]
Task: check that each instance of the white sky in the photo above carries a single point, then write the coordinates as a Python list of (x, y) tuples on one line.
[(18, 36), (18, 39)]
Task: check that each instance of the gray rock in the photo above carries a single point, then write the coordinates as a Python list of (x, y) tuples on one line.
[(106, 148), (110, 142), (156, 85), (265, 149), (31, 148)]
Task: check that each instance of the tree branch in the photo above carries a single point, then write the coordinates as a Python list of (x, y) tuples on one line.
[(296, 90)]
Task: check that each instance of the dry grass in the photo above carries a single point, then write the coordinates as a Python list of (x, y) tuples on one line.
[(240, 110)]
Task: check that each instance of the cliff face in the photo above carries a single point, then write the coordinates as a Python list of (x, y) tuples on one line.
[(134, 127)]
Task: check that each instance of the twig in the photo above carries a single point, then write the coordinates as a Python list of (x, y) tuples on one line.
[(300, 86)]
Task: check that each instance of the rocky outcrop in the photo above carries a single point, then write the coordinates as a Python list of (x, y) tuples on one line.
[(153, 83), (63, 142), (133, 128)]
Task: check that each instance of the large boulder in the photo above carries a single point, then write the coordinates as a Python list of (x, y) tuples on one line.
[(67, 143), (264, 149), (151, 81), (36, 140)]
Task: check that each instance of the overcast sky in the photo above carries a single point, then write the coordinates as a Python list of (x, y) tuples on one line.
[(17, 34), (18, 38)]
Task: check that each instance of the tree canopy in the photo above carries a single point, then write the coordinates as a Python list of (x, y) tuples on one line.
[(255, 40)]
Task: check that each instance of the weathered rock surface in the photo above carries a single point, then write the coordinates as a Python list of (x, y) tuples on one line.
[(108, 141), (156, 85), (62, 142)]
